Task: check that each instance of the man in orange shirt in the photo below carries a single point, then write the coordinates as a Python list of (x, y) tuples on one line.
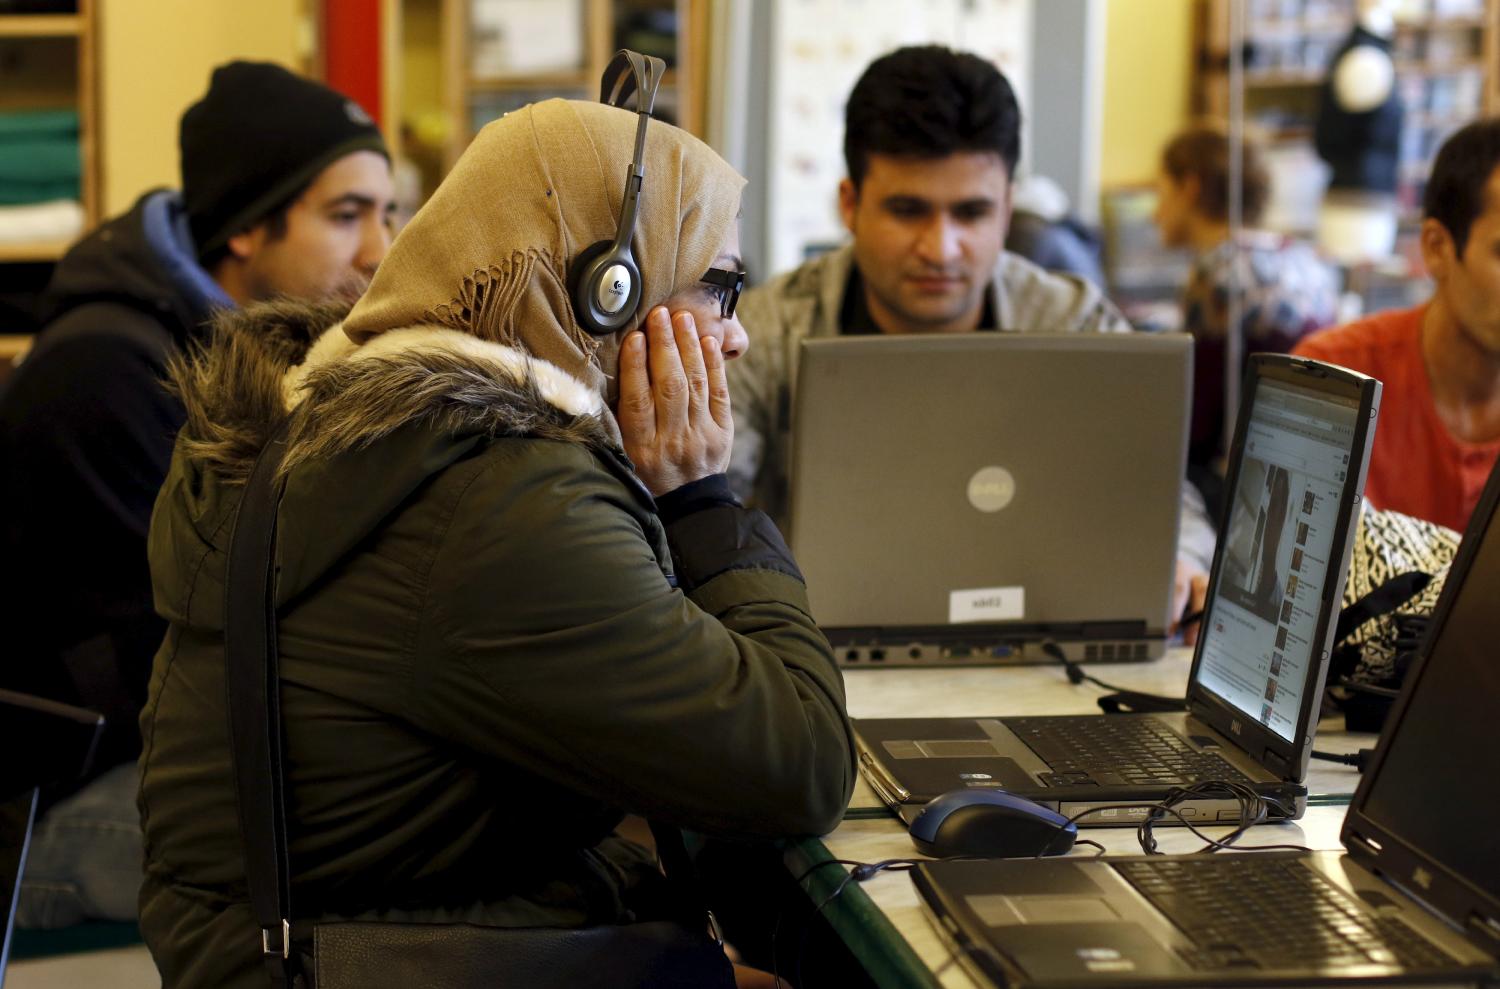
[(1439, 431)]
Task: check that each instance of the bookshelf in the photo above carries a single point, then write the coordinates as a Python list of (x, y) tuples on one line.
[(1442, 50), (499, 55), (48, 62)]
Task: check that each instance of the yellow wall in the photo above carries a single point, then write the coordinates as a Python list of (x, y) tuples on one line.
[(1147, 78), (156, 58)]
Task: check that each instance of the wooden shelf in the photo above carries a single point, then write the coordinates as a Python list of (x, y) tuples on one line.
[(543, 80), (585, 81), (1284, 77), (51, 62), (1443, 24), (46, 250), (1284, 29), (1434, 118), (686, 81), (1429, 67), (41, 25)]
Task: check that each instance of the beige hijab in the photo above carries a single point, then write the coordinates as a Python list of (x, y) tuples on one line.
[(488, 254)]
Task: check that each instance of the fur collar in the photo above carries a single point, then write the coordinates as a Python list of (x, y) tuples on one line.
[(281, 360)]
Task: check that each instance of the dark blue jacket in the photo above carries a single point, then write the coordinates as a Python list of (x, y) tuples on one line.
[(86, 432)]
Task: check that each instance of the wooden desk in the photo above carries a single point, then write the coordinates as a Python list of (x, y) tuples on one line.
[(1020, 690), (881, 920)]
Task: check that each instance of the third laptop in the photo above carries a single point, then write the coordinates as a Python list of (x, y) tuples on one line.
[(1296, 473), (1413, 899)]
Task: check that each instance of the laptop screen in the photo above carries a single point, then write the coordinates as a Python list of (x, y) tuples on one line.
[(1435, 785), (1257, 649)]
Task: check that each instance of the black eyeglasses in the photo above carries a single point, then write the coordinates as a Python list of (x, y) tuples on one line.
[(727, 285)]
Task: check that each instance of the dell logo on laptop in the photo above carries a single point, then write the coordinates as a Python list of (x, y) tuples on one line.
[(1234, 726), (991, 489)]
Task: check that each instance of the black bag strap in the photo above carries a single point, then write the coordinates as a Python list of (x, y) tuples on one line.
[(253, 696), (1137, 702), (1381, 601)]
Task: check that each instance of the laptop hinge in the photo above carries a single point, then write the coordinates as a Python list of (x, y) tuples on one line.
[(1274, 763), (891, 793)]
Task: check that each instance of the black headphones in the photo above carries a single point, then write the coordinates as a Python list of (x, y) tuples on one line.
[(604, 282)]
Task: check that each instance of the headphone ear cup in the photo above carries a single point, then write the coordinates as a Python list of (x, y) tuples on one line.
[(585, 277), (583, 311)]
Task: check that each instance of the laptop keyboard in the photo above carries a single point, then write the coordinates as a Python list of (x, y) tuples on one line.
[(1249, 912), (1106, 751)]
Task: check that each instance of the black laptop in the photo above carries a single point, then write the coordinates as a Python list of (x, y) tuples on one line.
[(1296, 473), (1414, 899)]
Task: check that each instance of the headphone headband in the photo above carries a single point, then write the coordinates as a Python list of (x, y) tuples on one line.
[(605, 284), (632, 74)]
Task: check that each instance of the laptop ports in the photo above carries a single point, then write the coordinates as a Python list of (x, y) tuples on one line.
[(877, 655)]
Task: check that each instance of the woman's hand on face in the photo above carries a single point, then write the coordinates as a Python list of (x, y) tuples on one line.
[(674, 402)]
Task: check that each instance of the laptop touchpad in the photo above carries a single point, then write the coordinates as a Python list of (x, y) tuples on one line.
[(952, 748), (1008, 911), (1084, 951)]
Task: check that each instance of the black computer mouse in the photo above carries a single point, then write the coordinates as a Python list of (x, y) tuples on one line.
[(989, 823)]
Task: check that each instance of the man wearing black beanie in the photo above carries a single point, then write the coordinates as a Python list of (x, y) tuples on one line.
[(286, 191)]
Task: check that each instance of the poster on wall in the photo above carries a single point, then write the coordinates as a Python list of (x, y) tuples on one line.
[(820, 48)]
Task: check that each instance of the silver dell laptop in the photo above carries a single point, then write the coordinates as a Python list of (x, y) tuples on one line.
[(1414, 899), (960, 498), (1297, 471)]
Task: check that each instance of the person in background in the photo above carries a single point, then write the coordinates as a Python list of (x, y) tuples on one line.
[(931, 141), (1285, 289), (519, 599), (1439, 430), (1044, 230), (286, 188)]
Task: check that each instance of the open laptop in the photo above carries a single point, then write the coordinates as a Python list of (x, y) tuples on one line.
[(958, 498), (1297, 471), (1415, 899)]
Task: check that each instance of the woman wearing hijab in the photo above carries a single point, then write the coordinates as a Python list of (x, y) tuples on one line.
[(496, 636)]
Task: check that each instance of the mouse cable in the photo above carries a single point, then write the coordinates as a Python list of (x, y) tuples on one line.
[(776, 928), (1253, 810), (1359, 760), (858, 873), (1076, 673)]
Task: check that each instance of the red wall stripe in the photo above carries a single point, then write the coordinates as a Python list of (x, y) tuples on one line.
[(351, 52)]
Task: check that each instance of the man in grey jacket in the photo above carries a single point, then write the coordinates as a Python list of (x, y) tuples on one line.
[(932, 138)]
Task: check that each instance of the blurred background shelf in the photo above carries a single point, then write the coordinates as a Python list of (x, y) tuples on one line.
[(1442, 50), (41, 25), (473, 61), (33, 252)]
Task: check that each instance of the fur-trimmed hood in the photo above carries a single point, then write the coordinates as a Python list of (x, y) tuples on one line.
[(367, 427), (281, 359)]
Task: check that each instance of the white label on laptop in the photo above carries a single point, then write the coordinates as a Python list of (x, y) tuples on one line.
[(987, 604)]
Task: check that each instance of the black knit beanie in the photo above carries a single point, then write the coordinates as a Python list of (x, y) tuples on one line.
[(259, 135)]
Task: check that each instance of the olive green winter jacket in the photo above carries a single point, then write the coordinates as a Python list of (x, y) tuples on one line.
[(491, 649)]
